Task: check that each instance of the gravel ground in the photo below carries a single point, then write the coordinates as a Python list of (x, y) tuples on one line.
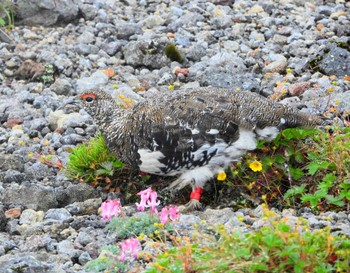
[(49, 223)]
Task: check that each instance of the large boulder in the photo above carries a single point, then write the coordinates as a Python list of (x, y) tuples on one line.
[(46, 12)]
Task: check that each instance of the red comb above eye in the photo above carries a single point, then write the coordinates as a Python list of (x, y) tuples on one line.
[(88, 96)]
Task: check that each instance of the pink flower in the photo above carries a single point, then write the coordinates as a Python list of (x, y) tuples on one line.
[(164, 215), (174, 213), (171, 212), (110, 208), (130, 247), (152, 202), (148, 200), (145, 195)]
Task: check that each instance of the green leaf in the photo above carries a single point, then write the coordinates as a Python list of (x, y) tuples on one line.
[(310, 198), (107, 165), (315, 166), (296, 173), (279, 159), (2, 22), (283, 227), (338, 200), (345, 194), (299, 157), (295, 191), (329, 178), (118, 164)]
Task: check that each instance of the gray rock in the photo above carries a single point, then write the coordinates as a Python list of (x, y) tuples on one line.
[(86, 207), (84, 258), (46, 12), (3, 222), (278, 64), (35, 242), (89, 12), (72, 139), (86, 38), (85, 237), (146, 54), (86, 49), (78, 193), (63, 63), (10, 161), (244, 82), (336, 62), (96, 80), (57, 214), (39, 171), (113, 47), (126, 29), (187, 221), (38, 124), (66, 247), (315, 223), (14, 176), (46, 101), (34, 196), (61, 87), (26, 264), (30, 217), (213, 216), (6, 242)]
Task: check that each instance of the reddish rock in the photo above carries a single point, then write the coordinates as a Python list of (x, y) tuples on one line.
[(14, 121), (298, 88), (183, 71), (13, 213)]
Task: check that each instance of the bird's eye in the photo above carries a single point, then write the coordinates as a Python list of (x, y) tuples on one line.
[(88, 97)]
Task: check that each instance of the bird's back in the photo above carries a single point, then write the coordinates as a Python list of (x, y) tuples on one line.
[(187, 129)]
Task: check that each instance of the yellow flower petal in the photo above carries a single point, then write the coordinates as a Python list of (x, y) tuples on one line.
[(255, 166), (221, 176)]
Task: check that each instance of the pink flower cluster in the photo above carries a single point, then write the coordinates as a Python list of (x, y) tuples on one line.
[(130, 247), (170, 212), (148, 200), (110, 208)]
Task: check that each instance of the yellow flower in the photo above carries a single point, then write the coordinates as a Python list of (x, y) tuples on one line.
[(221, 176), (171, 87), (255, 166)]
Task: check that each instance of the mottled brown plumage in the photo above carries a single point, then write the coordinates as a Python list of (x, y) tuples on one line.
[(194, 133)]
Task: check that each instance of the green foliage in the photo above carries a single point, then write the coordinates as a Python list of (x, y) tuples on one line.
[(277, 247), (7, 15), (107, 261), (134, 226), (327, 160), (301, 165), (92, 162), (173, 53), (48, 76)]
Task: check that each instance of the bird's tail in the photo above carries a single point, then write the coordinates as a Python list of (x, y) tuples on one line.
[(298, 119)]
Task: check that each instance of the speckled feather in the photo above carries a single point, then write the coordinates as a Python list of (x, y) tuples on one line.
[(193, 132)]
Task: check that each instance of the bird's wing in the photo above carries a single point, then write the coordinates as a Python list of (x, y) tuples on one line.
[(188, 127)]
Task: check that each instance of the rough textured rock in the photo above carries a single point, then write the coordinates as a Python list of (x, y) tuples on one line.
[(146, 54), (34, 196), (336, 62), (47, 12)]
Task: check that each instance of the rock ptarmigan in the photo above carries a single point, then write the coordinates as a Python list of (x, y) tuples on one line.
[(193, 134)]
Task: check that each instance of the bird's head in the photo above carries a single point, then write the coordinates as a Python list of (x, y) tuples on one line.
[(97, 102)]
